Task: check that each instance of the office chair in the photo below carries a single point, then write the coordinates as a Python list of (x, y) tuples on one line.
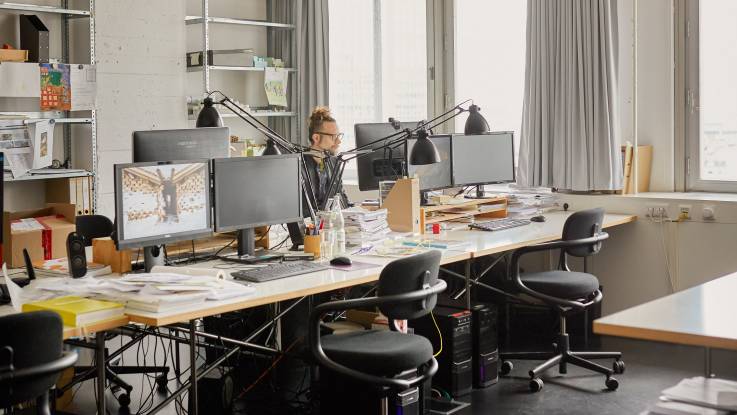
[(565, 291), (99, 226), (407, 289), (31, 358)]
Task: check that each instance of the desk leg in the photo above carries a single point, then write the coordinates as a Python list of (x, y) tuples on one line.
[(707, 363), (468, 284), (100, 362), (193, 367)]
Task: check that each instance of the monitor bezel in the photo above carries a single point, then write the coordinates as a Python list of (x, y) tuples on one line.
[(514, 169), (450, 160), (215, 192), (366, 160), (123, 243)]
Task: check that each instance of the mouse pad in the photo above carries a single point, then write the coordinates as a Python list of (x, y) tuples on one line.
[(355, 266)]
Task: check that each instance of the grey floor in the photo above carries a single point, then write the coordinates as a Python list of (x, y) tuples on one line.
[(651, 367)]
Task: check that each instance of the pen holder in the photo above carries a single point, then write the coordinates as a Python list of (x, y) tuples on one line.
[(312, 245)]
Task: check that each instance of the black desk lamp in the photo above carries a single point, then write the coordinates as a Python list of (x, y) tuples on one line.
[(476, 123), (275, 144)]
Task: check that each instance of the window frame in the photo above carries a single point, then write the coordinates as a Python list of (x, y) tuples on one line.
[(688, 112)]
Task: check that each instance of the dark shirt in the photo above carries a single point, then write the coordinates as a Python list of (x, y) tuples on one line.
[(320, 179)]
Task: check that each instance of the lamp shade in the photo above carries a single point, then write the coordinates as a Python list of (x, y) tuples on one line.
[(209, 116), (476, 123), (271, 148), (424, 151)]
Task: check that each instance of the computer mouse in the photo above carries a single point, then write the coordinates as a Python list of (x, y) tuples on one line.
[(341, 260), (538, 218)]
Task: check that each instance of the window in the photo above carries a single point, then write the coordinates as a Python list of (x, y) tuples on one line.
[(490, 61), (711, 92), (378, 64)]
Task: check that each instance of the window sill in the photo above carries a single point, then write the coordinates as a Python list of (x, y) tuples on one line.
[(694, 196)]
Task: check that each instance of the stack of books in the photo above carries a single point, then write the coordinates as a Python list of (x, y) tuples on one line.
[(697, 396), (365, 226), (77, 311)]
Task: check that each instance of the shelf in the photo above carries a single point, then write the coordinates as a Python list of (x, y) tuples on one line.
[(8, 178), (234, 68), (256, 114), (244, 22), (42, 9)]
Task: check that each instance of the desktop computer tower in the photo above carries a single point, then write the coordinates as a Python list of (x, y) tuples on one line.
[(455, 362), (485, 340)]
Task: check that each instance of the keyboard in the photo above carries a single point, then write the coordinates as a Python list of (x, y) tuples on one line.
[(499, 224), (278, 270)]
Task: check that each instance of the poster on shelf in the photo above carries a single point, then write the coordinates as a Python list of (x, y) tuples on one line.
[(42, 134), (84, 87), (56, 88), (275, 85)]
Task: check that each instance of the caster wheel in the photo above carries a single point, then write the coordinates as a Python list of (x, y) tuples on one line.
[(506, 368), (536, 385), (618, 367), (612, 384), (161, 383)]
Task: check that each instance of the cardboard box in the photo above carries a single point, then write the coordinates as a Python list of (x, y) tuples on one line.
[(57, 220), (13, 55)]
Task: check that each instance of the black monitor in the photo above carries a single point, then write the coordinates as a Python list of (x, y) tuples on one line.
[(256, 191), (438, 175), (376, 165), (161, 202), (483, 159), (185, 144)]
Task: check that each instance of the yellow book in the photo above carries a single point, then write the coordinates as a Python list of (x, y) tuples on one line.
[(77, 311)]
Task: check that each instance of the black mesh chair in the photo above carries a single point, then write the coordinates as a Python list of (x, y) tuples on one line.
[(93, 226), (31, 358), (567, 292), (407, 290)]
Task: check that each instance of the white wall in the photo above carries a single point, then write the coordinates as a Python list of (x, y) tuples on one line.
[(632, 265), (140, 49)]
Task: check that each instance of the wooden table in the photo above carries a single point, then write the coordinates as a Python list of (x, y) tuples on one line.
[(698, 316)]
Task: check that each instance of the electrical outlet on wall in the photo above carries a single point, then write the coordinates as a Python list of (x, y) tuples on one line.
[(656, 210), (684, 212)]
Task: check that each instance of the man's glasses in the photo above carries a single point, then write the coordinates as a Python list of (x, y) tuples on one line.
[(338, 136)]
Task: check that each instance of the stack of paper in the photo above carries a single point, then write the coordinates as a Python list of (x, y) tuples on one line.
[(365, 226), (697, 396)]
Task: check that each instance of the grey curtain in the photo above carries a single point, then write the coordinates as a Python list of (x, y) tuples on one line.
[(311, 59), (570, 132)]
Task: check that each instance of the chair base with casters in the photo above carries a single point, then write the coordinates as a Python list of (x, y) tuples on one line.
[(566, 292), (562, 356)]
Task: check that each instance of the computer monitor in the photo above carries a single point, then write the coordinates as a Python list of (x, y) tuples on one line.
[(373, 167), (483, 159), (185, 144), (162, 202), (438, 175), (256, 191)]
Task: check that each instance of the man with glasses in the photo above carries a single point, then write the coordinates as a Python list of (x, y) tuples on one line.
[(325, 137)]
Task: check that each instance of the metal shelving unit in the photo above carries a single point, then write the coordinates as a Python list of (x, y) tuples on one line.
[(205, 20), (64, 117)]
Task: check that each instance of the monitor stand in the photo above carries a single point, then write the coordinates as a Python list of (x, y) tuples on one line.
[(246, 242), (296, 234), (480, 193), (153, 256), (246, 251), (423, 199)]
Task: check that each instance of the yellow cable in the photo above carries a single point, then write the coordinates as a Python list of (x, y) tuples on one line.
[(439, 335)]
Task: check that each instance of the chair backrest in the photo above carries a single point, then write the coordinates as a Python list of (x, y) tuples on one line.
[(405, 275), (35, 339), (581, 225), (94, 226)]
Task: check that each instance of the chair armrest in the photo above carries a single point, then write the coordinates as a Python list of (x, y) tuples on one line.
[(316, 347), (66, 360)]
